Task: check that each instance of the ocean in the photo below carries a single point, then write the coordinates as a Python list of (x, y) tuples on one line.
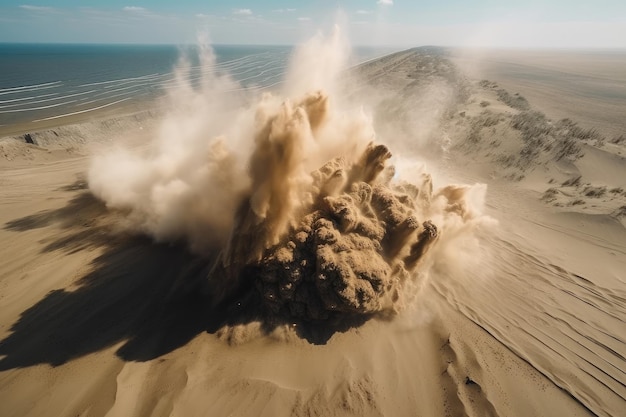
[(52, 82)]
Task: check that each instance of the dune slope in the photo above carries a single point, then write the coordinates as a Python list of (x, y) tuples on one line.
[(525, 318)]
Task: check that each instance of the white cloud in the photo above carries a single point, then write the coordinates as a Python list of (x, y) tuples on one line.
[(363, 12), (304, 19), (242, 12), (284, 10), (36, 8), (133, 9), (385, 2)]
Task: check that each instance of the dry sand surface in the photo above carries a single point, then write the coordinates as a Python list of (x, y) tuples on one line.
[(586, 86), (518, 310)]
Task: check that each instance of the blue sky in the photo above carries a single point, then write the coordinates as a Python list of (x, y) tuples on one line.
[(520, 23)]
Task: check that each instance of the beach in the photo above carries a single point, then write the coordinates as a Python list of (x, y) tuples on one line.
[(518, 309)]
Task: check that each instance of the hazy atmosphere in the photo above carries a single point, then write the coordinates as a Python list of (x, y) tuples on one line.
[(562, 24), (312, 208)]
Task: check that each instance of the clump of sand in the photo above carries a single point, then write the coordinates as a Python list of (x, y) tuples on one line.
[(342, 239)]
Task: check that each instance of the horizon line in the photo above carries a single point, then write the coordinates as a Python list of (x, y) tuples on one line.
[(478, 47)]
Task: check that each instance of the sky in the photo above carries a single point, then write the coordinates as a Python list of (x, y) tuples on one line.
[(479, 23)]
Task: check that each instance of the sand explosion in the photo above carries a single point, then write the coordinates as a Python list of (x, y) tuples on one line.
[(339, 240), (295, 194)]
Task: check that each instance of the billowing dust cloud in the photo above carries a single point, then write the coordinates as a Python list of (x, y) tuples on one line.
[(296, 192)]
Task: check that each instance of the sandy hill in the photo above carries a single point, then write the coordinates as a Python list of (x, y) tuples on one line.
[(519, 314)]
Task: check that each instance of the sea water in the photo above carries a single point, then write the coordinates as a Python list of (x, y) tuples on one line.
[(52, 82)]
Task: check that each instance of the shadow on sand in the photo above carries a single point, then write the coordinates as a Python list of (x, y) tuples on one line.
[(150, 296)]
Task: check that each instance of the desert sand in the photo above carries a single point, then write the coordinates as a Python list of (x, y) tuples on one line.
[(517, 309)]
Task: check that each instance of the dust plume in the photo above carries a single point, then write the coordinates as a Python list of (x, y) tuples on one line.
[(293, 189)]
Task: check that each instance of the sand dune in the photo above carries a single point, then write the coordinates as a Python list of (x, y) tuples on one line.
[(587, 86), (523, 315)]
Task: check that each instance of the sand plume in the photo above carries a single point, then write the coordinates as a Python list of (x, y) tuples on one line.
[(295, 192)]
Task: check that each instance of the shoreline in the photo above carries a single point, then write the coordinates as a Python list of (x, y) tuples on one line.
[(90, 116), (99, 114)]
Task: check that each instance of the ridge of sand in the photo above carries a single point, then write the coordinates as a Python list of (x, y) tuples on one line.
[(586, 86), (574, 169), (96, 322)]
